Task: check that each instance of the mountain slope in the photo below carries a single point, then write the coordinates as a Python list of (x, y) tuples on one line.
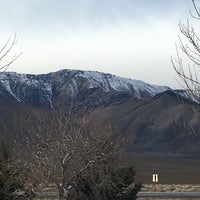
[(62, 87), (166, 123)]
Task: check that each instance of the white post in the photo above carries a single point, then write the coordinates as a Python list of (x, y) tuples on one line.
[(155, 181), (155, 178)]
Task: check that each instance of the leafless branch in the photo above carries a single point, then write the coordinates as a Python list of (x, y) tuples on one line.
[(5, 51), (65, 154), (190, 47), (197, 11)]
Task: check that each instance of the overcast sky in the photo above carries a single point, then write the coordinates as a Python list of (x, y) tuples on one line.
[(128, 38)]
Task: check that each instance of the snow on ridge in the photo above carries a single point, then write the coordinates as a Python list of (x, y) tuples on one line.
[(117, 83), (16, 84), (26, 79), (95, 79)]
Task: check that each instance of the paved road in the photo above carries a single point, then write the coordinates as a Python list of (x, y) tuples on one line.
[(169, 194)]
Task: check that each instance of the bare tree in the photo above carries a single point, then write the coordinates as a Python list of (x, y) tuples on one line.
[(189, 45), (80, 161), (5, 52)]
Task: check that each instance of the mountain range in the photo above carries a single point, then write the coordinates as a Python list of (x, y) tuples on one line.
[(47, 90), (146, 117)]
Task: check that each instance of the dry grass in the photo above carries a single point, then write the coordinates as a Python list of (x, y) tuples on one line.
[(171, 188)]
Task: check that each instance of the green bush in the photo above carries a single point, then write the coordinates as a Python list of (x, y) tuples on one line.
[(106, 184)]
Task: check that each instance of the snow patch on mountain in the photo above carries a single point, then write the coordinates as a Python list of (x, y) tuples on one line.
[(40, 89), (108, 82)]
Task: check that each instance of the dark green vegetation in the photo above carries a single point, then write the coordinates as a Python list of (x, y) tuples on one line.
[(92, 186), (11, 186)]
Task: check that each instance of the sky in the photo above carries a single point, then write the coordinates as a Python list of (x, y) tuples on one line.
[(127, 38)]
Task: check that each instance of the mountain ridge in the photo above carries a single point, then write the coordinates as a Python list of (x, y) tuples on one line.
[(45, 89)]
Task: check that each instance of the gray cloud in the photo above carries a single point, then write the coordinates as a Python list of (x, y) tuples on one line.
[(92, 12), (125, 37), (52, 18)]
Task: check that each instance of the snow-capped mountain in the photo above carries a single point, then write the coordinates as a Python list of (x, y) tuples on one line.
[(95, 88), (149, 118)]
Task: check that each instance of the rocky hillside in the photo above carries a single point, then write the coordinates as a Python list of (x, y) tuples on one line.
[(59, 88)]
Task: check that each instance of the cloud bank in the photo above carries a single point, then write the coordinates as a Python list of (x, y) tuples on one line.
[(131, 38)]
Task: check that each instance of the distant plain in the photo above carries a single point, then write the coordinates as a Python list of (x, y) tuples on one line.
[(171, 168)]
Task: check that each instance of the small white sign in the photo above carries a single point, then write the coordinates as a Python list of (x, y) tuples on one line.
[(155, 178)]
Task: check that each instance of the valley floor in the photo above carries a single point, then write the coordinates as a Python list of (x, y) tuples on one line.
[(171, 169)]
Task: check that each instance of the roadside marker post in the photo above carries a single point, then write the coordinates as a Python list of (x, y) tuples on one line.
[(155, 181), (155, 178)]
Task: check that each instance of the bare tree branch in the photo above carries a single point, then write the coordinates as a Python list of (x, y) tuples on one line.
[(66, 155), (5, 52), (190, 47)]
